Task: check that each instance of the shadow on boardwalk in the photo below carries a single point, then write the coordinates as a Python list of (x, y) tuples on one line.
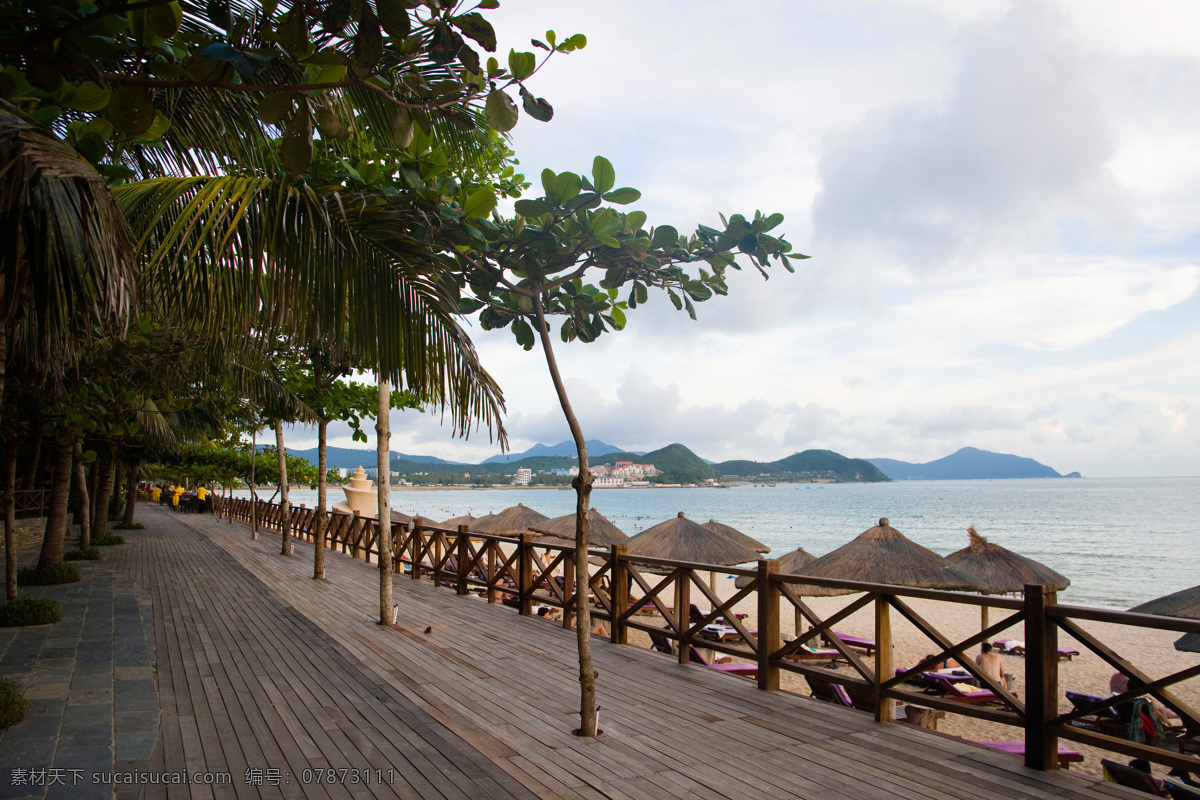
[(272, 678)]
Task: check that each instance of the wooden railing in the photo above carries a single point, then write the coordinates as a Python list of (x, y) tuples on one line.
[(623, 590), (31, 502)]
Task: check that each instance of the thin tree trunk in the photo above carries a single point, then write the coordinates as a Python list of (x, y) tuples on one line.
[(4, 366), (56, 517), (107, 477), (10, 519), (285, 510), (93, 477), (383, 444), (253, 495), (30, 479), (583, 492), (81, 486), (130, 496), (322, 486)]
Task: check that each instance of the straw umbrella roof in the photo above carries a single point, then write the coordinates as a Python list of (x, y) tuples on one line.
[(681, 539), (601, 532), (1184, 603), (512, 521), (789, 564), (1000, 569), (454, 522), (737, 536), (884, 555), (403, 519)]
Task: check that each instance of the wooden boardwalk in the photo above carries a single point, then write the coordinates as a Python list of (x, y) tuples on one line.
[(262, 667)]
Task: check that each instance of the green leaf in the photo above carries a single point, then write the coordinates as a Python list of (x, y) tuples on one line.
[(697, 290), (469, 305), (551, 37), (330, 126), (521, 65), (675, 299), (566, 186), (536, 107), (623, 196), (524, 333), (165, 20), (532, 208), (773, 221), (296, 149), (634, 221), (131, 110), (393, 16), (604, 177), (548, 179), (501, 111), (480, 202), (368, 44), (402, 128), (87, 96), (576, 42), (274, 108), (691, 309), (664, 236), (748, 243), (157, 128), (292, 33), (640, 293), (618, 318), (478, 28)]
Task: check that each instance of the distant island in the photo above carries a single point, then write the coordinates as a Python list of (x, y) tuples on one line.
[(552, 465), (969, 463)]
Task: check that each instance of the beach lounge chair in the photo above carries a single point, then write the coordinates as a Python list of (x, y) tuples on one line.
[(1014, 647), (1133, 778), (1177, 791), (854, 642), (733, 668), (1066, 756), (1093, 721), (822, 689), (850, 694), (963, 692), (661, 643)]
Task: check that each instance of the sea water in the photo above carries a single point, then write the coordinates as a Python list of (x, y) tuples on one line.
[(1120, 541)]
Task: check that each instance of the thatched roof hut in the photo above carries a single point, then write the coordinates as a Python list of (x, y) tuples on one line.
[(737, 536), (1000, 569), (884, 555), (789, 564), (512, 521), (1184, 603), (681, 539), (454, 522), (601, 532)]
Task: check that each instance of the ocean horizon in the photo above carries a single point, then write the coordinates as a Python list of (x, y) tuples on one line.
[(1121, 541)]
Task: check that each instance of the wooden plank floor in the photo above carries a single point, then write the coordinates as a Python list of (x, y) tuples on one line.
[(295, 666)]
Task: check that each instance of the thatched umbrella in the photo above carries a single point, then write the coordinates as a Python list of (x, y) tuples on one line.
[(789, 564), (601, 531), (884, 555), (680, 539), (454, 522), (1001, 570), (1184, 603), (512, 521), (403, 519), (737, 536)]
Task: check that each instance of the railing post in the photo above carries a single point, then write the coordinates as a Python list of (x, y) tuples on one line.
[(683, 603), (570, 586), (302, 533), (355, 526), (396, 553), (1041, 678), (885, 707), (418, 541), (619, 596), (525, 573), (768, 625), (462, 545), (491, 546)]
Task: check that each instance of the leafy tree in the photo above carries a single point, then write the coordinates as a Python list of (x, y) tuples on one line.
[(519, 272)]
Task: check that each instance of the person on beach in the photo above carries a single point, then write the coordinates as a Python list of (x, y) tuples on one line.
[(948, 663), (991, 665)]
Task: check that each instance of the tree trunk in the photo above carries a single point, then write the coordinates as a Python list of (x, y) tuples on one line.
[(30, 478), (583, 492), (108, 476), (253, 495), (10, 519), (322, 488), (383, 446), (93, 478), (130, 496), (285, 510), (56, 517), (81, 486)]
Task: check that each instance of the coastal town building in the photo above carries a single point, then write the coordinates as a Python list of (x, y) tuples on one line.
[(522, 477)]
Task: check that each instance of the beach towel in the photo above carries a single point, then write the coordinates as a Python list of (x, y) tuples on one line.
[(1144, 727)]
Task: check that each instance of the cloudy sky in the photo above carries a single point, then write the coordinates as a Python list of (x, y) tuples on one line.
[(1001, 201)]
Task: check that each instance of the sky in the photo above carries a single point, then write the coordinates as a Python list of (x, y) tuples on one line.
[(1001, 201)]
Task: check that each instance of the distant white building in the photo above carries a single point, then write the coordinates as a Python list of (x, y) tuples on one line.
[(608, 483), (523, 477)]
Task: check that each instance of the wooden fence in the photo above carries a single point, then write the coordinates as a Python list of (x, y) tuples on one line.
[(521, 572), (31, 502)]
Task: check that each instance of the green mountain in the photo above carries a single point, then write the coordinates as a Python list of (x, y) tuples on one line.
[(967, 463), (678, 465), (808, 464)]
